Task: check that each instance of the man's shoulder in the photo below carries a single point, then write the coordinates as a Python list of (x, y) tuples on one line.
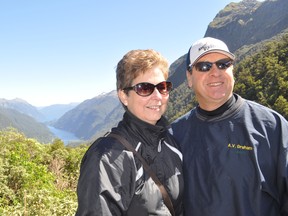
[(263, 112), (185, 116), (182, 122)]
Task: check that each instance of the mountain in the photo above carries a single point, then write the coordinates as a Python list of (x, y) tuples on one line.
[(247, 27), (241, 25), (19, 114), (22, 106), (11, 118), (249, 22), (55, 111), (92, 117)]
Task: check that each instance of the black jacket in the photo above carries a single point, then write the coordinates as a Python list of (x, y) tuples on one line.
[(113, 182)]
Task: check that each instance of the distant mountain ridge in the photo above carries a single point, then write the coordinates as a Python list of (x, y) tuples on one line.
[(11, 118), (24, 117), (92, 117), (55, 111), (22, 106)]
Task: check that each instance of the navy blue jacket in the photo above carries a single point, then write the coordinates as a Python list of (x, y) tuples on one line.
[(235, 164)]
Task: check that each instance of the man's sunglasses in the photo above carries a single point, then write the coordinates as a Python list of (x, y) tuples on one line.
[(145, 89), (221, 64)]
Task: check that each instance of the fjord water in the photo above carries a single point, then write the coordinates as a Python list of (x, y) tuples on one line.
[(65, 136)]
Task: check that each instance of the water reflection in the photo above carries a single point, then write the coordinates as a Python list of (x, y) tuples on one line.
[(65, 136)]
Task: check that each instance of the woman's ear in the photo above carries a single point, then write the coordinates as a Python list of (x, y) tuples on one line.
[(122, 97)]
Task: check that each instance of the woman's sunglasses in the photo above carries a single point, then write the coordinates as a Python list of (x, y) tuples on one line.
[(221, 64), (145, 89)]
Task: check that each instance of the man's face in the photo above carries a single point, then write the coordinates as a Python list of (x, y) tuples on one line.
[(213, 87)]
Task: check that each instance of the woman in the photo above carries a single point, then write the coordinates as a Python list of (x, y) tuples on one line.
[(112, 179)]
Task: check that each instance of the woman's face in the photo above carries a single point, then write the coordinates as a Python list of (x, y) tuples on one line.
[(149, 108)]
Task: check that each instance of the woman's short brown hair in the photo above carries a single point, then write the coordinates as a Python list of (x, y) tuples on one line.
[(136, 62)]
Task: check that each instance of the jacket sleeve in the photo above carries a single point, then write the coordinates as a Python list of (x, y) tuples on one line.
[(107, 180), (283, 166)]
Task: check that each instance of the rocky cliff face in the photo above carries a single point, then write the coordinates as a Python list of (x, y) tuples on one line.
[(240, 24), (249, 22)]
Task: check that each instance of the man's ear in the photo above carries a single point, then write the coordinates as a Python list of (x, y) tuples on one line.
[(122, 97), (189, 78)]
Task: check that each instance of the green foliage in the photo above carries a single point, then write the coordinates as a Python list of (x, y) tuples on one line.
[(182, 100), (263, 77), (37, 179)]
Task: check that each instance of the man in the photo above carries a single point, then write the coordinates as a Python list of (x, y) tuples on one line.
[(234, 150)]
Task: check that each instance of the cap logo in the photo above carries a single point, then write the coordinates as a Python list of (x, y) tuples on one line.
[(206, 47)]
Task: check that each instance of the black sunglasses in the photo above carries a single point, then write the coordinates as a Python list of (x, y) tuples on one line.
[(221, 64), (145, 89)]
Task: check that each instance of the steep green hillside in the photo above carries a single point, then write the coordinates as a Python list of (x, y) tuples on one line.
[(263, 77)]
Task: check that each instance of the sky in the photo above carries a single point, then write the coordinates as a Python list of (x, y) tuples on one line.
[(64, 51)]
